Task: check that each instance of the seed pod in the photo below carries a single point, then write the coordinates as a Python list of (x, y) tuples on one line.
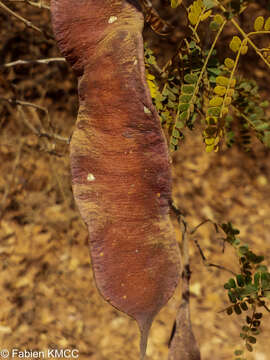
[(119, 160)]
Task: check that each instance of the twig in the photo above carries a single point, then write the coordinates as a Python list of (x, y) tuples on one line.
[(206, 263), (55, 136), (245, 36), (183, 344), (25, 21), (185, 247), (176, 210), (13, 101), (23, 103), (19, 17), (37, 132), (43, 133), (264, 305), (202, 223), (32, 3), (37, 61)]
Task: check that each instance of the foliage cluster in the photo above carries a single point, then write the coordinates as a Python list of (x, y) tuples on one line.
[(248, 290), (196, 86)]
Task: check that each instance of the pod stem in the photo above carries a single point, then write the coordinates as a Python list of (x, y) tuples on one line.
[(144, 326)]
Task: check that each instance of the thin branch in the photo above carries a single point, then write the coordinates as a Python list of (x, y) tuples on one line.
[(28, 23), (32, 3), (206, 263), (266, 308), (185, 247), (245, 35), (23, 103), (14, 101), (183, 344), (37, 61), (44, 134), (202, 223), (48, 150), (37, 132), (19, 17), (55, 136), (250, 42), (176, 210)]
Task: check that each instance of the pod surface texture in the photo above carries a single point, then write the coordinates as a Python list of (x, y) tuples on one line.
[(119, 159)]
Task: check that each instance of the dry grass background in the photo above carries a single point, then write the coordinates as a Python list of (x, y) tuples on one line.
[(48, 296)]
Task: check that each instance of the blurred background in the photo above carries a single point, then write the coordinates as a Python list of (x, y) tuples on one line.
[(48, 297)]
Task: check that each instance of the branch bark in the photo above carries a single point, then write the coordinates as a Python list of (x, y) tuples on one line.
[(183, 345)]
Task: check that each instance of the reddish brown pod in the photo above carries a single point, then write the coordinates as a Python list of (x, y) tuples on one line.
[(119, 159)]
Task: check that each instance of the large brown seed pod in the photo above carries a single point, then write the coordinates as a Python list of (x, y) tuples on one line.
[(119, 159)]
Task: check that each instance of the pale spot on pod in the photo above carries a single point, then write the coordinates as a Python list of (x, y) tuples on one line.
[(146, 110), (90, 177), (112, 19)]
